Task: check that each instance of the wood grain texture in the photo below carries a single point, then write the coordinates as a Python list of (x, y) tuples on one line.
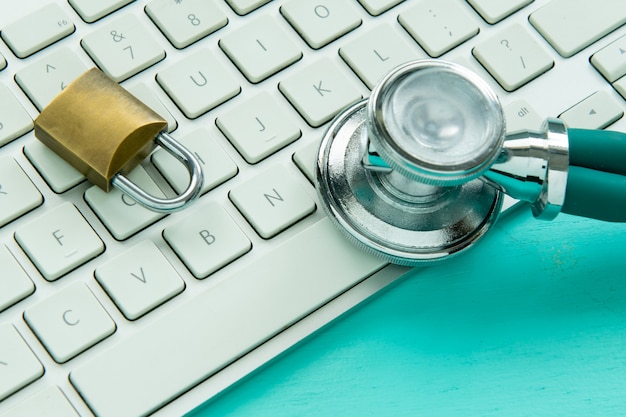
[(532, 322)]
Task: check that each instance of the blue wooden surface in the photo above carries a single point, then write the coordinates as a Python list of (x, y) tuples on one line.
[(532, 322)]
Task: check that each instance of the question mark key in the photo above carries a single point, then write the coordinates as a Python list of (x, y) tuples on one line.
[(513, 67)]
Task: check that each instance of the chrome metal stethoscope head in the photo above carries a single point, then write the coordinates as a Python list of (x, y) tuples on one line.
[(435, 122), (418, 171), (398, 172)]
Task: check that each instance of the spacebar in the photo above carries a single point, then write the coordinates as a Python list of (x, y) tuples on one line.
[(202, 336)]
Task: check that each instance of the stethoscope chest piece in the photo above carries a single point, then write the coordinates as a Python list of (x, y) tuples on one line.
[(379, 208), (399, 172), (418, 171)]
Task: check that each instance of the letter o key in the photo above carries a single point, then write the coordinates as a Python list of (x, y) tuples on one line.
[(322, 11)]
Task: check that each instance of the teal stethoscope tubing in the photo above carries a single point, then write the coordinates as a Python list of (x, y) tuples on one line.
[(596, 180)]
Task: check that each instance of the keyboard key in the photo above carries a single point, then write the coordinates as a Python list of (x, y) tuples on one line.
[(45, 79), (3, 62), (14, 120), (513, 57), (15, 284), (376, 52), (139, 280), (611, 60), (207, 240), (494, 11), (69, 322), (439, 25), (147, 96), (260, 49), (259, 127), (18, 364), (242, 7), (59, 241), (217, 166), (519, 115), (620, 86), (272, 201), (48, 402), (306, 159), (123, 216), (595, 112), (321, 22), (185, 22), (319, 91), (211, 330), (572, 25), (198, 83), (18, 195), (377, 7), (90, 10), (123, 47), (51, 24), (58, 174)]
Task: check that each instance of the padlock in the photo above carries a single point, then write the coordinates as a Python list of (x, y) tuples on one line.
[(104, 132)]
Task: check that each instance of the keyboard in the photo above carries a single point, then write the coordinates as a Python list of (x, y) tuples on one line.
[(109, 309)]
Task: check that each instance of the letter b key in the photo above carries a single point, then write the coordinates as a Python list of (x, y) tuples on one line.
[(104, 132)]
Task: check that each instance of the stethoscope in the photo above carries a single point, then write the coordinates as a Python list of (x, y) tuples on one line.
[(418, 171)]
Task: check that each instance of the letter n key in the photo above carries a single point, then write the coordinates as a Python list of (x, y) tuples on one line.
[(272, 201)]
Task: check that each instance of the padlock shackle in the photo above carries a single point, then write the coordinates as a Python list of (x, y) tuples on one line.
[(166, 205)]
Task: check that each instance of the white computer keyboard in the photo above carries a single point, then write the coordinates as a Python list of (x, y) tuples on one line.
[(109, 309)]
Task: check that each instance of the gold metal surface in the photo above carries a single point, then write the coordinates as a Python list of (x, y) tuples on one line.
[(98, 127)]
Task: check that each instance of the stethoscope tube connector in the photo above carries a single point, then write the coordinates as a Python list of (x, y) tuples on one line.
[(533, 167)]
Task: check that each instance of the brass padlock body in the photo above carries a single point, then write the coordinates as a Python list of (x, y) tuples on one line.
[(99, 127)]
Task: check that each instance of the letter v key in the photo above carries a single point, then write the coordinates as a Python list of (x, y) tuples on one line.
[(141, 278), (125, 279)]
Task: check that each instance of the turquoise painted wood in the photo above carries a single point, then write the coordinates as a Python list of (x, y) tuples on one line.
[(532, 322)]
